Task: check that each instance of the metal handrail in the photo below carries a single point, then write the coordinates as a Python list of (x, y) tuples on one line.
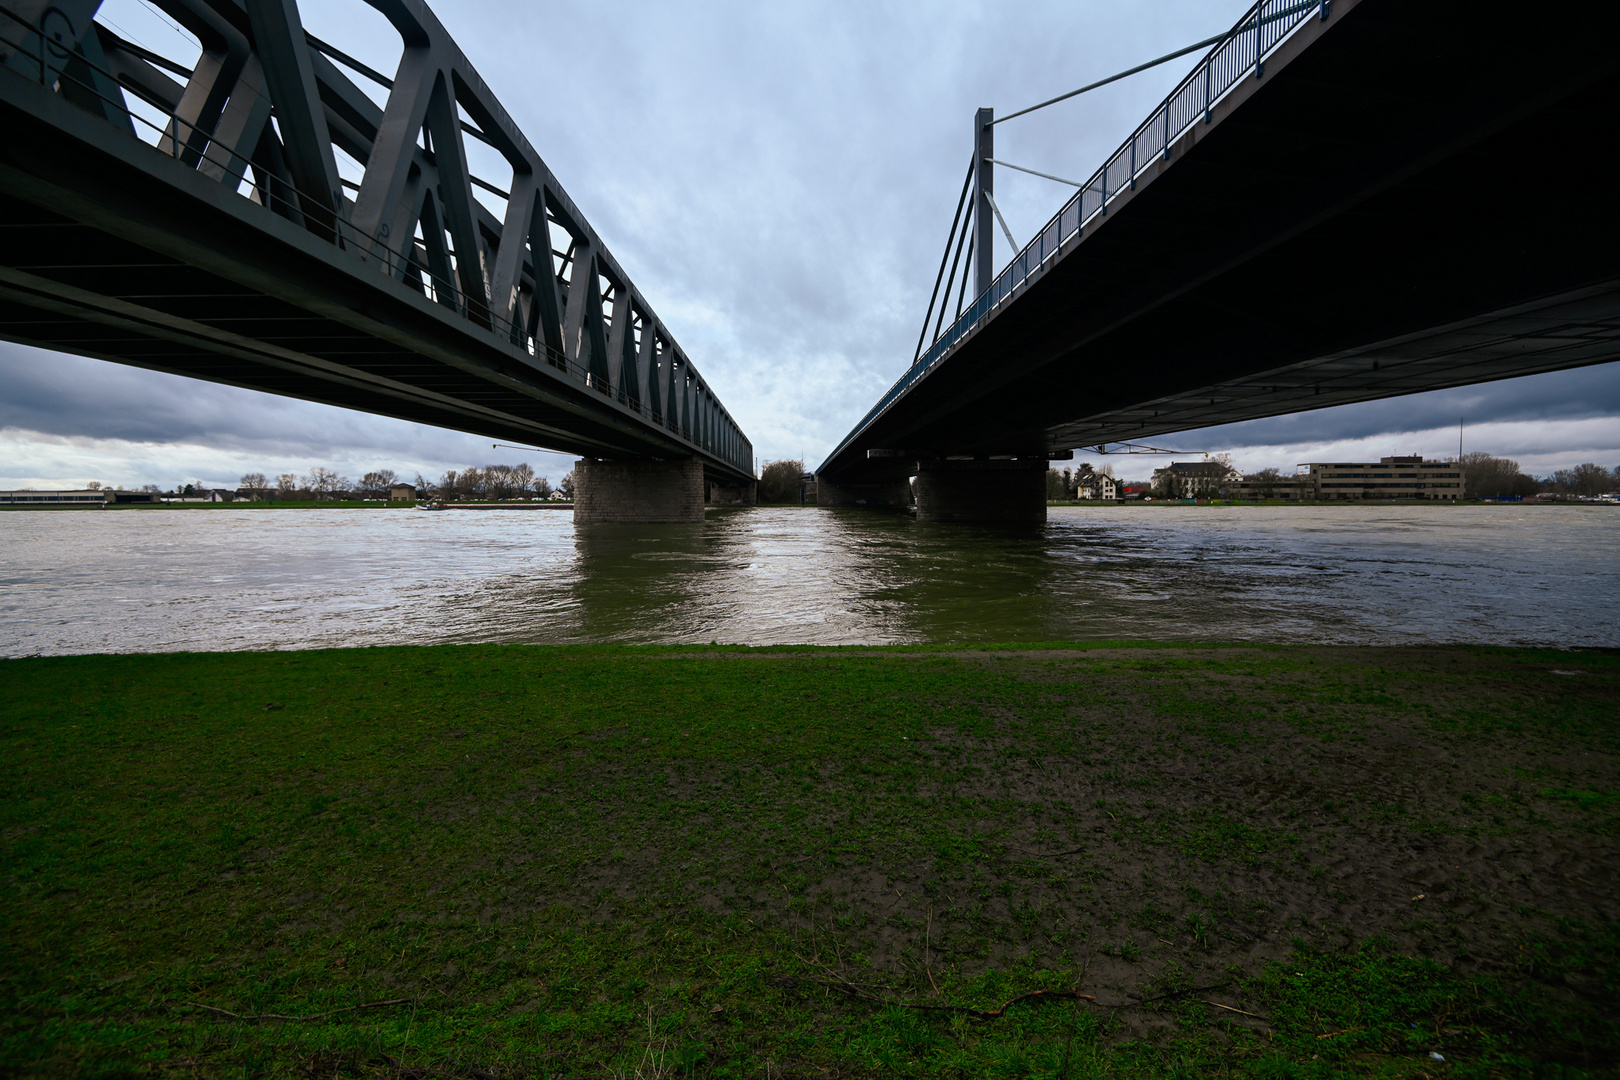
[(1257, 33), (346, 233)]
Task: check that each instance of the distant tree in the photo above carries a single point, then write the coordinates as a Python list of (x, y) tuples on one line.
[(1056, 483), (541, 487), (151, 489), (94, 485), (376, 484), (255, 485), (1485, 476), (448, 487), (287, 485), (1586, 479), (188, 490), (566, 487), (324, 483), (1265, 482), (504, 481), (779, 481)]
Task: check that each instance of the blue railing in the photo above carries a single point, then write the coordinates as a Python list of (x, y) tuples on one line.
[(1244, 49)]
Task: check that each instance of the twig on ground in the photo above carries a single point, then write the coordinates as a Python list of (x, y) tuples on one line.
[(1346, 1031), (844, 985), (301, 1019), (1172, 994), (927, 941), (1229, 1008)]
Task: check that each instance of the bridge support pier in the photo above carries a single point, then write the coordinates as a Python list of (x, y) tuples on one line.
[(893, 494), (640, 491), (1010, 491), (742, 493)]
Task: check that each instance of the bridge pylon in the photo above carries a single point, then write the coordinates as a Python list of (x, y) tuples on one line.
[(984, 189)]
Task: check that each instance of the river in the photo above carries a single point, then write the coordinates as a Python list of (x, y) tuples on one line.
[(226, 578)]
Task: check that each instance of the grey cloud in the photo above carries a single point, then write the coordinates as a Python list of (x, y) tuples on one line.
[(778, 180), (1578, 394)]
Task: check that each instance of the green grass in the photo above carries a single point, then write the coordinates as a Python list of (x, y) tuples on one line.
[(606, 861)]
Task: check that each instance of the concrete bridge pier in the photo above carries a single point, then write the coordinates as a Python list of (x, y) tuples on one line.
[(644, 490), (1009, 491), (740, 493), (892, 493)]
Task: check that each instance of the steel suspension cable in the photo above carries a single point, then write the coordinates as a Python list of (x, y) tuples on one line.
[(962, 292), (1165, 59), (967, 230), (966, 183)]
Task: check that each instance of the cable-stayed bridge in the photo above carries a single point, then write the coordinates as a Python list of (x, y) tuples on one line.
[(1342, 201), (274, 214)]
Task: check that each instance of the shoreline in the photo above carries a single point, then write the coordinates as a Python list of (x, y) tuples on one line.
[(556, 505)]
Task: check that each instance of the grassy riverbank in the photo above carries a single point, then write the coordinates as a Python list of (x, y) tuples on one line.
[(574, 862)]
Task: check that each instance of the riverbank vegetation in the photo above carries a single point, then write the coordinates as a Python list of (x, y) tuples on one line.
[(1060, 861)]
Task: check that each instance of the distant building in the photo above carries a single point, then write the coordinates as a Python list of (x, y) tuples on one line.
[(54, 500), (1300, 488), (1390, 478), (217, 495), (402, 493), (1193, 479), (1098, 486)]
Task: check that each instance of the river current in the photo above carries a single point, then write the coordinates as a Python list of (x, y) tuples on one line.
[(162, 580)]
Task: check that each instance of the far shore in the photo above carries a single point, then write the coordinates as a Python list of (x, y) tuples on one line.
[(552, 504)]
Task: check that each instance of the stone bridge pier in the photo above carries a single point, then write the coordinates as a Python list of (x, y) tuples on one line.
[(894, 494), (982, 491), (646, 491), (741, 493)]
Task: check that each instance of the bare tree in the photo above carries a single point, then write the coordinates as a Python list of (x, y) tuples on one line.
[(1586, 479), (542, 487), (324, 483), (1265, 482), (448, 489), (1485, 476), (287, 486), (377, 483), (566, 487), (254, 484)]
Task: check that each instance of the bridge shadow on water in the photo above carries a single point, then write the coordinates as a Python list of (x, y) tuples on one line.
[(811, 576), (818, 576)]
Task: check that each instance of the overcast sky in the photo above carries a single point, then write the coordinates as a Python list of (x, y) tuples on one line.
[(778, 180)]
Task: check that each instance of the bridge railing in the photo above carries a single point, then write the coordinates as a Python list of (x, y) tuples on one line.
[(1243, 50), (177, 138)]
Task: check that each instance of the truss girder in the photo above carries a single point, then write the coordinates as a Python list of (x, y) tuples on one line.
[(267, 111)]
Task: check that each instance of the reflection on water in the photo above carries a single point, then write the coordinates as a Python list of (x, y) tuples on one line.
[(235, 579)]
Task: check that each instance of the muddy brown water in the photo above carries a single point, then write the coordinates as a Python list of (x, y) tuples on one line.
[(226, 578)]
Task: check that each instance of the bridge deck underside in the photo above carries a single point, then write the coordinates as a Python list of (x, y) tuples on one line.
[(1403, 205), (145, 264)]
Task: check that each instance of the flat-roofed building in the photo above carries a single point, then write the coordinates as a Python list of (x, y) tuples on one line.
[(1390, 478), (54, 500), (1299, 488)]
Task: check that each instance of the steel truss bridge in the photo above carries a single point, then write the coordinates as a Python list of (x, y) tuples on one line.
[(191, 216), (1342, 201)]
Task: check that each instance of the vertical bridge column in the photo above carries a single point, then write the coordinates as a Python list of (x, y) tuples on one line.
[(1011, 491), (740, 493), (642, 491), (889, 493)]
